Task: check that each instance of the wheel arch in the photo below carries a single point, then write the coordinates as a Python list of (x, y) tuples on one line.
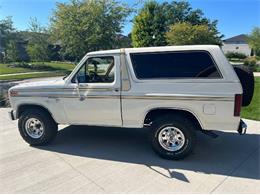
[(23, 107), (154, 113)]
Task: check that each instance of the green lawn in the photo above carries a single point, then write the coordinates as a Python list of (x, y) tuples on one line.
[(29, 76), (253, 110), (6, 70), (58, 69), (58, 65), (258, 69)]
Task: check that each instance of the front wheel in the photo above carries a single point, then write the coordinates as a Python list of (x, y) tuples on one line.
[(173, 137), (37, 127)]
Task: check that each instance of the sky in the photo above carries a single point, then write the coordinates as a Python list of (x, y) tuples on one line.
[(234, 16)]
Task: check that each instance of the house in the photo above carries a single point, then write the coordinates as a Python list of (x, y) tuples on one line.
[(236, 44)]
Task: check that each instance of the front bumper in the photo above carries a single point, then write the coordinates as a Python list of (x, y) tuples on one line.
[(12, 115), (242, 128)]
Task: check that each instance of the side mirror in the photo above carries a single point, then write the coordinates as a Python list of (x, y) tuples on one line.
[(81, 98)]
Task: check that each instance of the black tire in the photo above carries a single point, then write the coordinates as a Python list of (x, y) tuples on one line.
[(184, 125), (49, 125), (247, 81)]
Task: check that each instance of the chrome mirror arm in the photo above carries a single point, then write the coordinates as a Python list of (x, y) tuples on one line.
[(78, 89)]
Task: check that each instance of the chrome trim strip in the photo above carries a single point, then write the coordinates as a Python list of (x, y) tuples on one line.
[(137, 97), (176, 108), (195, 98), (71, 96), (64, 89)]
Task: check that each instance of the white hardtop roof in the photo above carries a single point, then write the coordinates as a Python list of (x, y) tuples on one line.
[(155, 49)]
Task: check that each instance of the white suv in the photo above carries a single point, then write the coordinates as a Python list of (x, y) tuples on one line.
[(175, 91)]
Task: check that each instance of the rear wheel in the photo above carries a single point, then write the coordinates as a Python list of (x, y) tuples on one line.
[(37, 127), (173, 137)]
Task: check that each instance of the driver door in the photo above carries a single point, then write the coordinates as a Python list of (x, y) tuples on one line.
[(96, 93)]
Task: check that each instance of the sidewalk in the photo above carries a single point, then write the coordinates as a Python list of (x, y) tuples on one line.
[(257, 74)]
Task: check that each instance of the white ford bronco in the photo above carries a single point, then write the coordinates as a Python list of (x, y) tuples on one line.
[(175, 91)]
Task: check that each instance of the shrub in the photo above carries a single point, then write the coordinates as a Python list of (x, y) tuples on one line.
[(236, 55), (251, 63), (257, 58)]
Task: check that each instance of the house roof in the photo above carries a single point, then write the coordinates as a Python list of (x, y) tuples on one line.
[(236, 39)]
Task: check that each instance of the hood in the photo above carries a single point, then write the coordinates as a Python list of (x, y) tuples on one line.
[(54, 83)]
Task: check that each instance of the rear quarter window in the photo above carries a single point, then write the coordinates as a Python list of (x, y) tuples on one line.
[(185, 64)]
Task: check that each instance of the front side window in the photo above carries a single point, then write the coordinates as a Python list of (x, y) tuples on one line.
[(185, 64), (97, 70)]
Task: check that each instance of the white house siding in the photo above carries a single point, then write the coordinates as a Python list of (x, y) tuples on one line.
[(240, 48)]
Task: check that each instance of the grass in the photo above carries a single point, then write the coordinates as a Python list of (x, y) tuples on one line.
[(253, 110), (29, 76), (4, 69), (58, 69), (58, 65)]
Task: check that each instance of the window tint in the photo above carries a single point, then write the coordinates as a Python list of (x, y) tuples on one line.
[(97, 70), (191, 64)]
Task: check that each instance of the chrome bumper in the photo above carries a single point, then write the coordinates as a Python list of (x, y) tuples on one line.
[(242, 128), (12, 115)]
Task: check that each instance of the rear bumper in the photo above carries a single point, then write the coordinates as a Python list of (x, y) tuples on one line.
[(12, 115), (242, 128)]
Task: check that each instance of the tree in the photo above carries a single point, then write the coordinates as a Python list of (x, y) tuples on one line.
[(82, 26), (166, 14), (37, 48), (12, 52), (6, 31), (254, 40), (188, 34), (8, 40), (149, 26)]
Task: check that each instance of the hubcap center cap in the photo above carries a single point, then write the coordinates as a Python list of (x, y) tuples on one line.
[(34, 128), (171, 138)]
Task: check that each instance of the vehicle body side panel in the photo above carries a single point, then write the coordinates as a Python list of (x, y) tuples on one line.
[(53, 105), (196, 96)]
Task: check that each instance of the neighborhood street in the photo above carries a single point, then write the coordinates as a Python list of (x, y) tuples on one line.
[(114, 160)]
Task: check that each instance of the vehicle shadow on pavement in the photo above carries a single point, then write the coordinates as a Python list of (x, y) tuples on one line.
[(223, 156)]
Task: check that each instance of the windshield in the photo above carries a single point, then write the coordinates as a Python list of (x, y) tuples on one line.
[(82, 61)]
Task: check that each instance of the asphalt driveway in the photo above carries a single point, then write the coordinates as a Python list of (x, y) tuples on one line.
[(114, 160)]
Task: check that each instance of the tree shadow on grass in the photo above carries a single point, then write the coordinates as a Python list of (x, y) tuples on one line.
[(222, 156)]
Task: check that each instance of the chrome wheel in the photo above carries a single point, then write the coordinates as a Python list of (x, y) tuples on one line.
[(171, 138), (34, 128)]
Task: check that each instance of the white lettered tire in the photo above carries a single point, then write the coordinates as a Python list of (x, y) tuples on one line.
[(173, 137)]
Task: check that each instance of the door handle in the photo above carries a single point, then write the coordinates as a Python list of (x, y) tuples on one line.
[(116, 89), (83, 85)]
